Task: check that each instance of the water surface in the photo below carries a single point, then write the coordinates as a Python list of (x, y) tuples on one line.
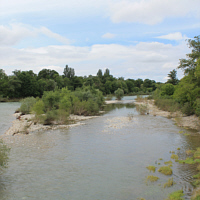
[(104, 159)]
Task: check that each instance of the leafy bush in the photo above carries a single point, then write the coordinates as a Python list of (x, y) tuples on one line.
[(167, 104), (27, 104), (167, 89), (187, 109), (119, 93), (197, 107)]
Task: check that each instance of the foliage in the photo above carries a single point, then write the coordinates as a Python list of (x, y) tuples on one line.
[(4, 150), (152, 178), (119, 93), (177, 195), (189, 65), (169, 183), (27, 104), (151, 168), (173, 77), (165, 170)]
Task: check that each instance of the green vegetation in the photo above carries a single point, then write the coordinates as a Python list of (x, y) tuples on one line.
[(55, 106), (151, 168), (142, 109), (174, 156), (169, 163), (165, 170), (177, 195), (183, 95), (151, 178), (4, 150), (119, 93), (169, 183), (22, 84)]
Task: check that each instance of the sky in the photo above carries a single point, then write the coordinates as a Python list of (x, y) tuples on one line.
[(132, 38)]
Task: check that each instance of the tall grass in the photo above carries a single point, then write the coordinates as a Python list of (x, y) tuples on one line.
[(169, 105)]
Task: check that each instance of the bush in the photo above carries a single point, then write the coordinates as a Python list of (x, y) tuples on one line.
[(119, 93), (27, 104), (167, 89), (197, 107), (38, 108), (167, 105), (187, 109)]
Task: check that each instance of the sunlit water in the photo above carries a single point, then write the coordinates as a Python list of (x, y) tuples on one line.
[(105, 159)]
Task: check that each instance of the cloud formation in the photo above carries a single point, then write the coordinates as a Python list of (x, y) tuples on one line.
[(145, 60), (108, 36), (173, 36), (14, 33), (152, 11)]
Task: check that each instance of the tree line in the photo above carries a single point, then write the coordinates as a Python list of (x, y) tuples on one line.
[(23, 84), (183, 95)]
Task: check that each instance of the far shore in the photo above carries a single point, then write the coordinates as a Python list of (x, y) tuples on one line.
[(188, 122)]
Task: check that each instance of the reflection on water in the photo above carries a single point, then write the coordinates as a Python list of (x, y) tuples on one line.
[(104, 159)]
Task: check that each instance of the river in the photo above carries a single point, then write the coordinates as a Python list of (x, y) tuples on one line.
[(105, 159)]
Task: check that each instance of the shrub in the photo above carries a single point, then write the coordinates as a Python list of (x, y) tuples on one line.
[(187, 109), (197, 107), (167, 89), (165, 170), (119, 93), (27, 104), (38, 107)]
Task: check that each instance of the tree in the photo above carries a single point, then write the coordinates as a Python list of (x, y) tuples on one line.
[(119, 93), (172, 77), (107, 73), (100, 73), (189, 65), (47, 74), (69, 72)]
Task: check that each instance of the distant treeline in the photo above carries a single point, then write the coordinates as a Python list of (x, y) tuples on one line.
[(23, 84)]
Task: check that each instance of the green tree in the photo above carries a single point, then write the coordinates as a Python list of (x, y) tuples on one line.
[(189, 65), (172, 77), (119, 93), (68, 72)]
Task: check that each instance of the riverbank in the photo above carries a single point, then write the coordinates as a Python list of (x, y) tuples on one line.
[(24, 124), (191, 122)]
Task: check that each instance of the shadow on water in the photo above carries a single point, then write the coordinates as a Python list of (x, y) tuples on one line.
[(111, 107)]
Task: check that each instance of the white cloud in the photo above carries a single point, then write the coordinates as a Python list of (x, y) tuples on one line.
[(108, 36), (173, 36), (144, 60), (152, 11), (11, 35)]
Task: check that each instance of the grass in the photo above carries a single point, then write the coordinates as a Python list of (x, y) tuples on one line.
[(165, 170), (196, 183), (151, 168), (4, 150), (177, 195), (189, 152), (197, 153), (151, 178), (178, 148), (197, 176), (175, 157), (169, 183), (169, 163), (142, 109)]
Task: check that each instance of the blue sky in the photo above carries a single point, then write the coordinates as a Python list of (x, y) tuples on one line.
[(132, 38)]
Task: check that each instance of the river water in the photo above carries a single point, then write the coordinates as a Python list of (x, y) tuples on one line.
[(105, 159)]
